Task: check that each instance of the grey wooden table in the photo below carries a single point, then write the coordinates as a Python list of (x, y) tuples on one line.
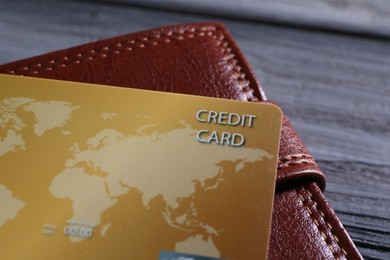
[(326, 63)]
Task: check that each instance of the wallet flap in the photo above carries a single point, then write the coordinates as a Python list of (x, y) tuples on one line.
[(296, 166)]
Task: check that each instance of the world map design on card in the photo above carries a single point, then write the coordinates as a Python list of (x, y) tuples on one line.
[(97, 172)]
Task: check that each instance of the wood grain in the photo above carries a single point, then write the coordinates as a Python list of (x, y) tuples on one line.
[(352, 16), (335, 88)]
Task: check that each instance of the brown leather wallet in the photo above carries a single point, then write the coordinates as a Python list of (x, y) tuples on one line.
[(203, 59)]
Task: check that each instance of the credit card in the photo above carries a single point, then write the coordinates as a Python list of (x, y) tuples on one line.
[(100, 172)]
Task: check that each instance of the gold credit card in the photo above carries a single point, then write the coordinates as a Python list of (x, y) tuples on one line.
[(100, 172)]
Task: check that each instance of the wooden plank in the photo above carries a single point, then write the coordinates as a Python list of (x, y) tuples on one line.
[(334, 88), (353, 16), (364, 210)]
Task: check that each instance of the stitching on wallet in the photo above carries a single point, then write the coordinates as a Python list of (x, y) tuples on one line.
[(295, 159), (296, 163), (320, 229), (144, 42)]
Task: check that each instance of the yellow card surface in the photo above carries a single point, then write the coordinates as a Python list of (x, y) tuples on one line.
[(99, 172)]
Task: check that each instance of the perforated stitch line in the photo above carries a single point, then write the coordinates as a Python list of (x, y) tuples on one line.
[(326, 238), (103, 51), (327, 223), (296, 163), (143, 43), (295, 157), (240, 76), (316, 223)]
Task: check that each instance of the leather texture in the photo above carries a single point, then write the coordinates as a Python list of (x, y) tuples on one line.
[(202, 59)]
